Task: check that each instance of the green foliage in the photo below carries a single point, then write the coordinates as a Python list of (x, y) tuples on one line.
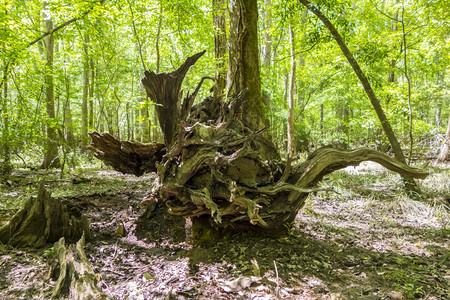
[(110, 37), (367, 29)]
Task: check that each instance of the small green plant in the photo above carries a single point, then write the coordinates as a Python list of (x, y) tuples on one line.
[(49, 253), (290, 227), (406, 281)]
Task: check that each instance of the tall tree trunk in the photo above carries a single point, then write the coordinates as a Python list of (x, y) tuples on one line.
[(267, 61), (392, 62), (243, 60), (267, 47), (437, 113), (398, 152), (91, 95), (220, 46), (155, 131), (291, 131), (286, 106), (84, 105), (67, 119), (145, 128), (51, 158), (321, 120), (445, 150), (5, 165), (408, 82)]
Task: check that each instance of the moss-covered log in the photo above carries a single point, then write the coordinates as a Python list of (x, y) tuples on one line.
[(43, 220)]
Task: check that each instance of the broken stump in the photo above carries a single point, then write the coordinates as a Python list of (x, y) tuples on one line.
[(43, 220)]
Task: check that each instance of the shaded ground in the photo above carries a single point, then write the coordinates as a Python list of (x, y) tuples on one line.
[(368, 241)]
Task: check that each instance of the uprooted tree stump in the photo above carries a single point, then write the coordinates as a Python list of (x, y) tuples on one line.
[(213, 165), (43, 220)]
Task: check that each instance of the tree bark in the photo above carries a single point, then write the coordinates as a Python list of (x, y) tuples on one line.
[(84, 104), (243, 60), (267, 48), (220, 46), (67, 117), (5, 165), (408, 82), (292, 150), (51, 158), (392, 62), (91, 95)]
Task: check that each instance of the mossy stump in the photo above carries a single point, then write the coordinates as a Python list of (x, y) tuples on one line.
[(43, 220)]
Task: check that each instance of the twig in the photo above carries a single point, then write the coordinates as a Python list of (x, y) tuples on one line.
[(137, 36), (62, 25), (277, 289)]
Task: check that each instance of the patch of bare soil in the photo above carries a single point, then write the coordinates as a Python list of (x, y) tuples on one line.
[(367, 242)]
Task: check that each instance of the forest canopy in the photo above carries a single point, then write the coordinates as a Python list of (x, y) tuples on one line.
[(90, 80)]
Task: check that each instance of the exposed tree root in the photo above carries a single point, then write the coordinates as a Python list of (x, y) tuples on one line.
[(43, 220), (76, 278), (236, 179), (217, 167)]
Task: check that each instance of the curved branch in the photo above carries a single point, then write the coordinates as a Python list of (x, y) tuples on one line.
[(327, 160), (55, 29)]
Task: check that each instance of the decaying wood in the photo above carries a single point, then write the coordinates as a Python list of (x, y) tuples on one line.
[(126, 157), (43, 220), (164, 89), (76, 279), (217, 167)]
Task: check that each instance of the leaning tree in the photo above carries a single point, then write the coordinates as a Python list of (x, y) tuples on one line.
[(217, 162)]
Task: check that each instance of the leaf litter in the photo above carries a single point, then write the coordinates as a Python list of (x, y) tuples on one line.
[(369, 242)]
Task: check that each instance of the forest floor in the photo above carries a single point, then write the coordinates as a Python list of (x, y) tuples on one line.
[(367, 241)]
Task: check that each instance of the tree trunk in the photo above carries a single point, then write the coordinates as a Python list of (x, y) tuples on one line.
[(220, 46), (91, 95), (266, 62), (392, 62), (243, 61), (84, 105), (445, 150), (5, 165), (408, 82), (321, 120), (67, 117), (51, 158), (267, 48), (398, 152), (292, 149)]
